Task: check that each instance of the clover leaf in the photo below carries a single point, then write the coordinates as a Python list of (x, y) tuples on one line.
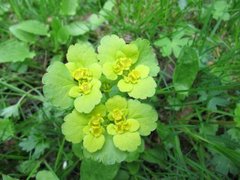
[(220, 10), (172, 45)]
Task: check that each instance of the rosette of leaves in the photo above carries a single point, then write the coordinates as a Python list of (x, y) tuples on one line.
[(132, 65), (76, 82), (111, 132)]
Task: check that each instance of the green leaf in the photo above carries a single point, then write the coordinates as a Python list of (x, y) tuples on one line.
[(116, 102), (165, 44), (122, 174), (69, 7), (166, 134), (174, 44), (208, 129), (29, 143), (217, 101), (58, 32), (186, 70), (234, 133), (62, 35), (77, 28), (14, 51), (107, 7), (223, 165), (6, 129), (96, 20), (46, 175), (4, 8), (22, 35), (57, 84), (82, 53), (107, 50), (27, 166), (27, 30), (182, 4), (133, 167), (93, 170), (73, 126), (40, 149), (134, 156), (231, 154), (147, 56), (10, 111), (144, 114), (220, 10), (33, 27), (6, 177), (78, 150), (156, 155)]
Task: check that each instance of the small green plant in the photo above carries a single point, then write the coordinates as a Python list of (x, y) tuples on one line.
[(105, 110), (110, 128)]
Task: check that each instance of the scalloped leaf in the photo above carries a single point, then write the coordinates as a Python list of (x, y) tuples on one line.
[(57, 84), (73, 126), (82, 53), (108, 48), (147, 56), (92, 170), (14, 51), (144, 114)]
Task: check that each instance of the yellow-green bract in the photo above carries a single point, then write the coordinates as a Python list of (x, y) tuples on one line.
[(76, 82), (133, 65), (108, 130), (115, 127)]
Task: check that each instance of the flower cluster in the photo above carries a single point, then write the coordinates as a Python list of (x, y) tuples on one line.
[(107, 126)]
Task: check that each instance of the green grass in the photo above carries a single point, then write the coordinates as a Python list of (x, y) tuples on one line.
[(194, 138)]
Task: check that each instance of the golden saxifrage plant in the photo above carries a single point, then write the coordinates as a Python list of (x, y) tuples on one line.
[(103, 91)]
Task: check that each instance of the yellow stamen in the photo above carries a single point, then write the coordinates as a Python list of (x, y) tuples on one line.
[(118, 115), (122, 127), (122, 64), (133, 77), (95, 125), (82, 74), (85, 87)]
